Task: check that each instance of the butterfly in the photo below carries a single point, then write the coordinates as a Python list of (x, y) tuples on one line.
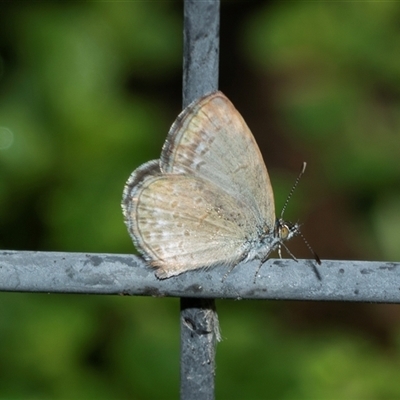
[(208, 200)]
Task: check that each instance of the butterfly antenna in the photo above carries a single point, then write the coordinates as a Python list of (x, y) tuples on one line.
[(303, 168), (316, 258), (298, 232)]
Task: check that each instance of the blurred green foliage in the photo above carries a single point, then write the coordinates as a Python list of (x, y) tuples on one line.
[(337, 68), (83, 101)]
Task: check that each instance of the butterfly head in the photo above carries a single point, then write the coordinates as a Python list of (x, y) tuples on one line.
[(285, 230)]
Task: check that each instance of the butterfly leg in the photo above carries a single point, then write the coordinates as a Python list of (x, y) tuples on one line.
[(227, 273), (289, 252), (257, 271), (233, 266), (263, 260)]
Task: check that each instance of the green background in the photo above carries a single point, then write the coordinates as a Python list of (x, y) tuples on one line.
[(88, 92)]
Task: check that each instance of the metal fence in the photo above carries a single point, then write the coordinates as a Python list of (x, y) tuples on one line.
[(51, 272)]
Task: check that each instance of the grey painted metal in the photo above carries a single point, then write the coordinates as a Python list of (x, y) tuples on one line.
[(200, 48), (198, 317), (199, 332), (52, 272)]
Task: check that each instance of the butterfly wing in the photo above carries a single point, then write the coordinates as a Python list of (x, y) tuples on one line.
[(210, 139), (182, 222)]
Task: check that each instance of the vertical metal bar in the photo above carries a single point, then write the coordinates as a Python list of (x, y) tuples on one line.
[(200, 48), (198, 319)]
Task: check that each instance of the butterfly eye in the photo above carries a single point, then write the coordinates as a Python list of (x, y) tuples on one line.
[(284, 232), (282, 229)]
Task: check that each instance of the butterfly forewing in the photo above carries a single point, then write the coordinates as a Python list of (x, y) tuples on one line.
[(211, 140)]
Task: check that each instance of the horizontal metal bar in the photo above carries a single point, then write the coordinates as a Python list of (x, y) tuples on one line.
[(92, 273)]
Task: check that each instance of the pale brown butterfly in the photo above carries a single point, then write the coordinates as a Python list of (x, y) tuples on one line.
[(208, 200)]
